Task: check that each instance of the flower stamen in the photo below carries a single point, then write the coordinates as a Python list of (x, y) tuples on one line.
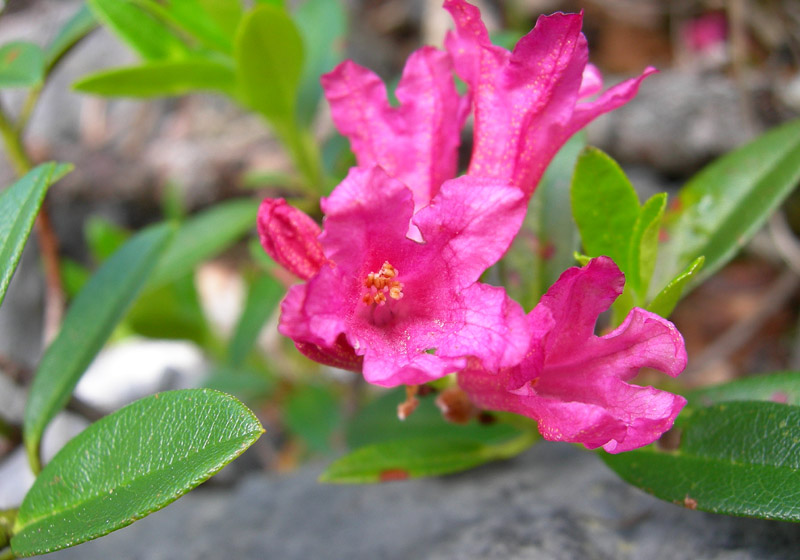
[(381, 283)]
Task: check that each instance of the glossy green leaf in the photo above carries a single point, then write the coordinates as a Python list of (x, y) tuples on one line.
[(781, 387), (322, 24), (269, 59), (604, 205), (163, 78), (21, 65), (202, 237), (377, 422), (87, 325), (313, 413), (723, 206), (191, 17), (76, 28), (666, 300), (130, 464), (139, 29), (262, 299), (19, 205), (544, 247), (737, 458), (643, 249)]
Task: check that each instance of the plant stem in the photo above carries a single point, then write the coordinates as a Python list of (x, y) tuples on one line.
[(27, 108), (7, 518), (14, 150)]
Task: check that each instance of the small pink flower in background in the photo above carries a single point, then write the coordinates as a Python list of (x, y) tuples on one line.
[(400, 310), (416, 142), (526, 102), (573, 382)]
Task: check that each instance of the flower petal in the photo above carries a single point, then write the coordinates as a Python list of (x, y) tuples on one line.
[(290, 237)]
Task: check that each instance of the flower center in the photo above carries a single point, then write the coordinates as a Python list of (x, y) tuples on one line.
[(382, 283)]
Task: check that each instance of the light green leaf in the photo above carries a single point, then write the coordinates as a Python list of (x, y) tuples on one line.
[(202, 237), (89, 322), (76, 28), (783, 387), (225, 13), (544, 247), (191, 17), (723, 206), (269, 59), (104, 237), (139, 29), (666, 300), (605, 206), (322, 24), (644, 246), (19, 205), (737, 458), (157, 79), (130, 464), (262, 299), (313, 413), (21, 65)]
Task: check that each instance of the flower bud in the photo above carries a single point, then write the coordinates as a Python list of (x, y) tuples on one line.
[(290, 237)]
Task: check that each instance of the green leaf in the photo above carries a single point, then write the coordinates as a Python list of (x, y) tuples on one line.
[(76, 28), (723, 206), (666, 300), (644, 245), (225, 13), (322, 24), (545, 244), (269, 59), (21, 65), (202, 237), (130, 464), (162, 78), (377, 423), (139, 29), (605, 206), (313, 413), (783, 387), (264, 295), (19, 205), (88, 323), (191, 17), (244, 383), (104, 237), (737, 458)]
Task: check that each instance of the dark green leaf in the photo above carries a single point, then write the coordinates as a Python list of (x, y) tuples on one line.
[(722, 207), (202, 237), (548, 237), (130, 464), (322, 24), (76, 28), (139, 29), (19, 205), (738, 458), (264, 295), (313, 413), (604, 205), (21, 65), (644, 246), (269, 59), (666, 300), (163, 78), (782, 387), (89, 322)]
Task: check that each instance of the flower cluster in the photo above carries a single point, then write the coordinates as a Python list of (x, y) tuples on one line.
[(392, 286)]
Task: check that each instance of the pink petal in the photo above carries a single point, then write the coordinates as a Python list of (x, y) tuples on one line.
[(592, 81), (341, 355), (290, 237), (416, 142)]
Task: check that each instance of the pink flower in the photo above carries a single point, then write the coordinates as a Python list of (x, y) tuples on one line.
[(526, 102), (416, 142), (573, 382), (401, 310)]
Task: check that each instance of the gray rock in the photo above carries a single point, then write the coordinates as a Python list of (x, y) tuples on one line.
[(554, 502)]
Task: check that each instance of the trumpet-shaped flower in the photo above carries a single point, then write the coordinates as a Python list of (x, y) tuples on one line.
[(405, 311), (526, 102), (573, 382)]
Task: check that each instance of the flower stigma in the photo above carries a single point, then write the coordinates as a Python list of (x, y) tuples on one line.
[(381, 283)]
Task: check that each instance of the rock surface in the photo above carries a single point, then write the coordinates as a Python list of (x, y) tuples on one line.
[(554, 502)]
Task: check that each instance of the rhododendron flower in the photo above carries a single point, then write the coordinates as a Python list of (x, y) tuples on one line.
[(526, 102), (401, 310), (573, 382)]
